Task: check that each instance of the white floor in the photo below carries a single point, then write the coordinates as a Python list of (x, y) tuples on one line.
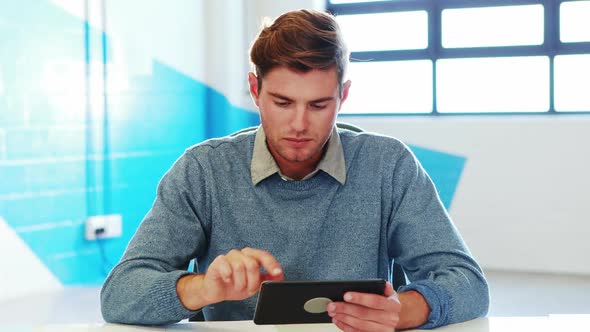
[(513, 294)]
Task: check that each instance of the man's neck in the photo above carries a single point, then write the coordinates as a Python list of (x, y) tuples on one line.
[(297, 170)]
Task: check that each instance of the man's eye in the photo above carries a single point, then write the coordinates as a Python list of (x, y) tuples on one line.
[(318, 106), (281, 103)]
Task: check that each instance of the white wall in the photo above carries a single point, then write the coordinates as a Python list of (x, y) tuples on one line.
[(22, 272), (523, 202)]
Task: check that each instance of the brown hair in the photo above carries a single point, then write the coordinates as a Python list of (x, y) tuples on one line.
[(300, 40)]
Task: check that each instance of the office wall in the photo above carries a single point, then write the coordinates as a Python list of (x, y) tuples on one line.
[(97, 100), (523, 199), (95, 108)]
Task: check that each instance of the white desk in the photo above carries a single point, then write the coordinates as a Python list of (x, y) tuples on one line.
[(78, 310), (565, 323)]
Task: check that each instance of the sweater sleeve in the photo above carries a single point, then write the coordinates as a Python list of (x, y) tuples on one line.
[(141, 289), (425, 242)]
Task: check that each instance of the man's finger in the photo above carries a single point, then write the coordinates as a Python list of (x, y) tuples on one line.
[(382, 317), (220, 269), (239, 273), (265, 259), (389, 291), (373, 301), (391, 294), (252, 274), (342, 326), (358, 324)]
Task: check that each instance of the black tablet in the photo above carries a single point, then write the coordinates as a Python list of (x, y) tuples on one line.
[(298, 302)]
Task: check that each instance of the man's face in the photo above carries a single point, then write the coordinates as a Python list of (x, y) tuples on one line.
[(297, 111)]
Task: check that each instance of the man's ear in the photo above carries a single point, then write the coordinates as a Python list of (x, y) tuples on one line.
[(345, 88), (253, 83)]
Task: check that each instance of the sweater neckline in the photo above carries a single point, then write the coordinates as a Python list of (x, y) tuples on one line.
[(318, 179)]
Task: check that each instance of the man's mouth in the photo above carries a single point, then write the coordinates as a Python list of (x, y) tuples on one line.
[(297, 142)]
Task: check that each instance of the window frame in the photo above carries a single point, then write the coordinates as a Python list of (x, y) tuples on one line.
[(551, 46)]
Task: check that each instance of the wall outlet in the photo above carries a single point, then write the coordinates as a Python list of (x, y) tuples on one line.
[(103, 227)]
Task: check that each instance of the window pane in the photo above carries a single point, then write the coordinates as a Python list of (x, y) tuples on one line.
[(575, 21), (572, 82), (385, 31), (512, 84), (390, 87), (492, 26)]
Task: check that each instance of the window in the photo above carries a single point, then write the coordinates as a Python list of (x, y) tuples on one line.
[(572, 82), (575, 21), (492, 26), (480, 84), (467, 57), (380, 26), (385, 86)]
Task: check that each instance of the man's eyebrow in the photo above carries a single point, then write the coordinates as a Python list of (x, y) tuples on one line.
[(277, 95), (320, 100)]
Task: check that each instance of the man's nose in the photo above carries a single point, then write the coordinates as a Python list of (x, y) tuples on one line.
[(300, 120)]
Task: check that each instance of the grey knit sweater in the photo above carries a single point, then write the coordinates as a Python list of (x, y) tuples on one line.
[(318, 229)]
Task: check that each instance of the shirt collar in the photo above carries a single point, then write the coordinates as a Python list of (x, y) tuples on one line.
[(264, 165)]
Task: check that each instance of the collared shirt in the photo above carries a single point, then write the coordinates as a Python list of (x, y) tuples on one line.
[(264, 165)]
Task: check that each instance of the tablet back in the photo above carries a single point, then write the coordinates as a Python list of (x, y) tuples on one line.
[(297, 302)]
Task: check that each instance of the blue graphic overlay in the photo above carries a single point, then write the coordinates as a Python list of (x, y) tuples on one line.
[(57, 167), (444, 169)]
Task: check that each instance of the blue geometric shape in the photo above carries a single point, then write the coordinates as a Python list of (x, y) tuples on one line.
[(444, 169)]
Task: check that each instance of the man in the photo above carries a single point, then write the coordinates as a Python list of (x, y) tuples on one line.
[(297, 199)]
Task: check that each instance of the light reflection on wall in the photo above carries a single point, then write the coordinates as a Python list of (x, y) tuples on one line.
[(65, 85)]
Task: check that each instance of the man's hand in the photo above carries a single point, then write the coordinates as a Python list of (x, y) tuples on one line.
[(367, 312), (370, 312), (234, 276)]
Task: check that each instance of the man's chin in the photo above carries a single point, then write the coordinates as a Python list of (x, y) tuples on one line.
[(297, 157)]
